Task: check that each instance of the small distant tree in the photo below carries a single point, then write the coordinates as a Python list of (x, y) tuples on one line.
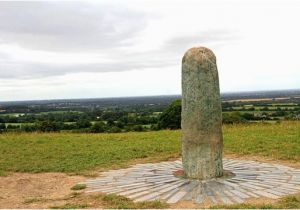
[(265, 109), (251, 109), (154, 127), (110, 122), (48, 126), (171, 117), (248, 116), (138, 128), (83, 123), (2, 126), (69, 126), (29, 128), (233, 118), (114, 129), (128, 128), (13, 127), (280, 113), (98, 127), (120, 124)]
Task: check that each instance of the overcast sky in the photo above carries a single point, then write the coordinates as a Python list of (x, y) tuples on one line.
[(111, 48)]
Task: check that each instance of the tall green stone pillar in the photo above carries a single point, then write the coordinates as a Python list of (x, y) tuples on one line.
[(202, 140)]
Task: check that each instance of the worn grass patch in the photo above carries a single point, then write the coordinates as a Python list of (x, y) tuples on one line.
[(32, 200), (112, 201), (82, 153), (78, 187), (120, 202), (3, 173), (70, 206)]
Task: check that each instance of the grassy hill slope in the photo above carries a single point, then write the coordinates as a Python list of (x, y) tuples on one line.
[(78, 153)]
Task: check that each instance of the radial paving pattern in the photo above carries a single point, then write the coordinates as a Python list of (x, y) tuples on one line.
[(146, 182)]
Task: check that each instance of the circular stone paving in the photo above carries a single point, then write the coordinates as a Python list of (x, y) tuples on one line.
[(156, 181)]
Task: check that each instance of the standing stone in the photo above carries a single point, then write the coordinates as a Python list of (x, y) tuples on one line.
[(202, 140)]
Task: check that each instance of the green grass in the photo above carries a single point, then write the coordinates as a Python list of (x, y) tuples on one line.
[(79, 153), (278, 141), (70, 206), (120, 202), (78, 187), (70, 152)]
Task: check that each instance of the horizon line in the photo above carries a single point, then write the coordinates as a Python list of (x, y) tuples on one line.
[(115, 97)]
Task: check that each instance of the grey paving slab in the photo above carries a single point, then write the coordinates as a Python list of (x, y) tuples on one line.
[(266, 194), (190, 195), (170, 193), (175, 198), (285, 190), (181, 183), (199, 196), (251, 194), (251, 186), (156, 181), (239, 194), (225, 199), (134, 191), (139, 194), (148, 197), (233, 197), (234, 185), (293, 187), (275, 192), (190, 186)]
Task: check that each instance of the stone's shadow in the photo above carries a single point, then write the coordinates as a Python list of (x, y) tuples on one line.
[(227, 174), (180, 174)]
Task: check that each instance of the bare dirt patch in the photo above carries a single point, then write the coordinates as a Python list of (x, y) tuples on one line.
[(23, 190)]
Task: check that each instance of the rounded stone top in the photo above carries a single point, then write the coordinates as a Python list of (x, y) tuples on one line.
[(200, 54)]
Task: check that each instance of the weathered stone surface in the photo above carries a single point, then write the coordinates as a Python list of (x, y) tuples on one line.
[(201, 123)]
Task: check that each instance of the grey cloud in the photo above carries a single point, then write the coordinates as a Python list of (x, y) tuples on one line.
[(210, 37), (83, 27), (4, 57), (169, 55), (29, 70), (66, 26)]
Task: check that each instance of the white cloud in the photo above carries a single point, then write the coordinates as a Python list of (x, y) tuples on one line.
[(91, 85)]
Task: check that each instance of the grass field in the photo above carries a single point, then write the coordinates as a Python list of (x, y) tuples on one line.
[(69, 152), (84, 153), (279, 141)]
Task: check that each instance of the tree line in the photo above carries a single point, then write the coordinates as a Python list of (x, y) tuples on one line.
[(115, 120)]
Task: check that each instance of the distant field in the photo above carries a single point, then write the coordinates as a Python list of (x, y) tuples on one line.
[(12, 114), (258, 99), (20, 124), (67, 152)]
